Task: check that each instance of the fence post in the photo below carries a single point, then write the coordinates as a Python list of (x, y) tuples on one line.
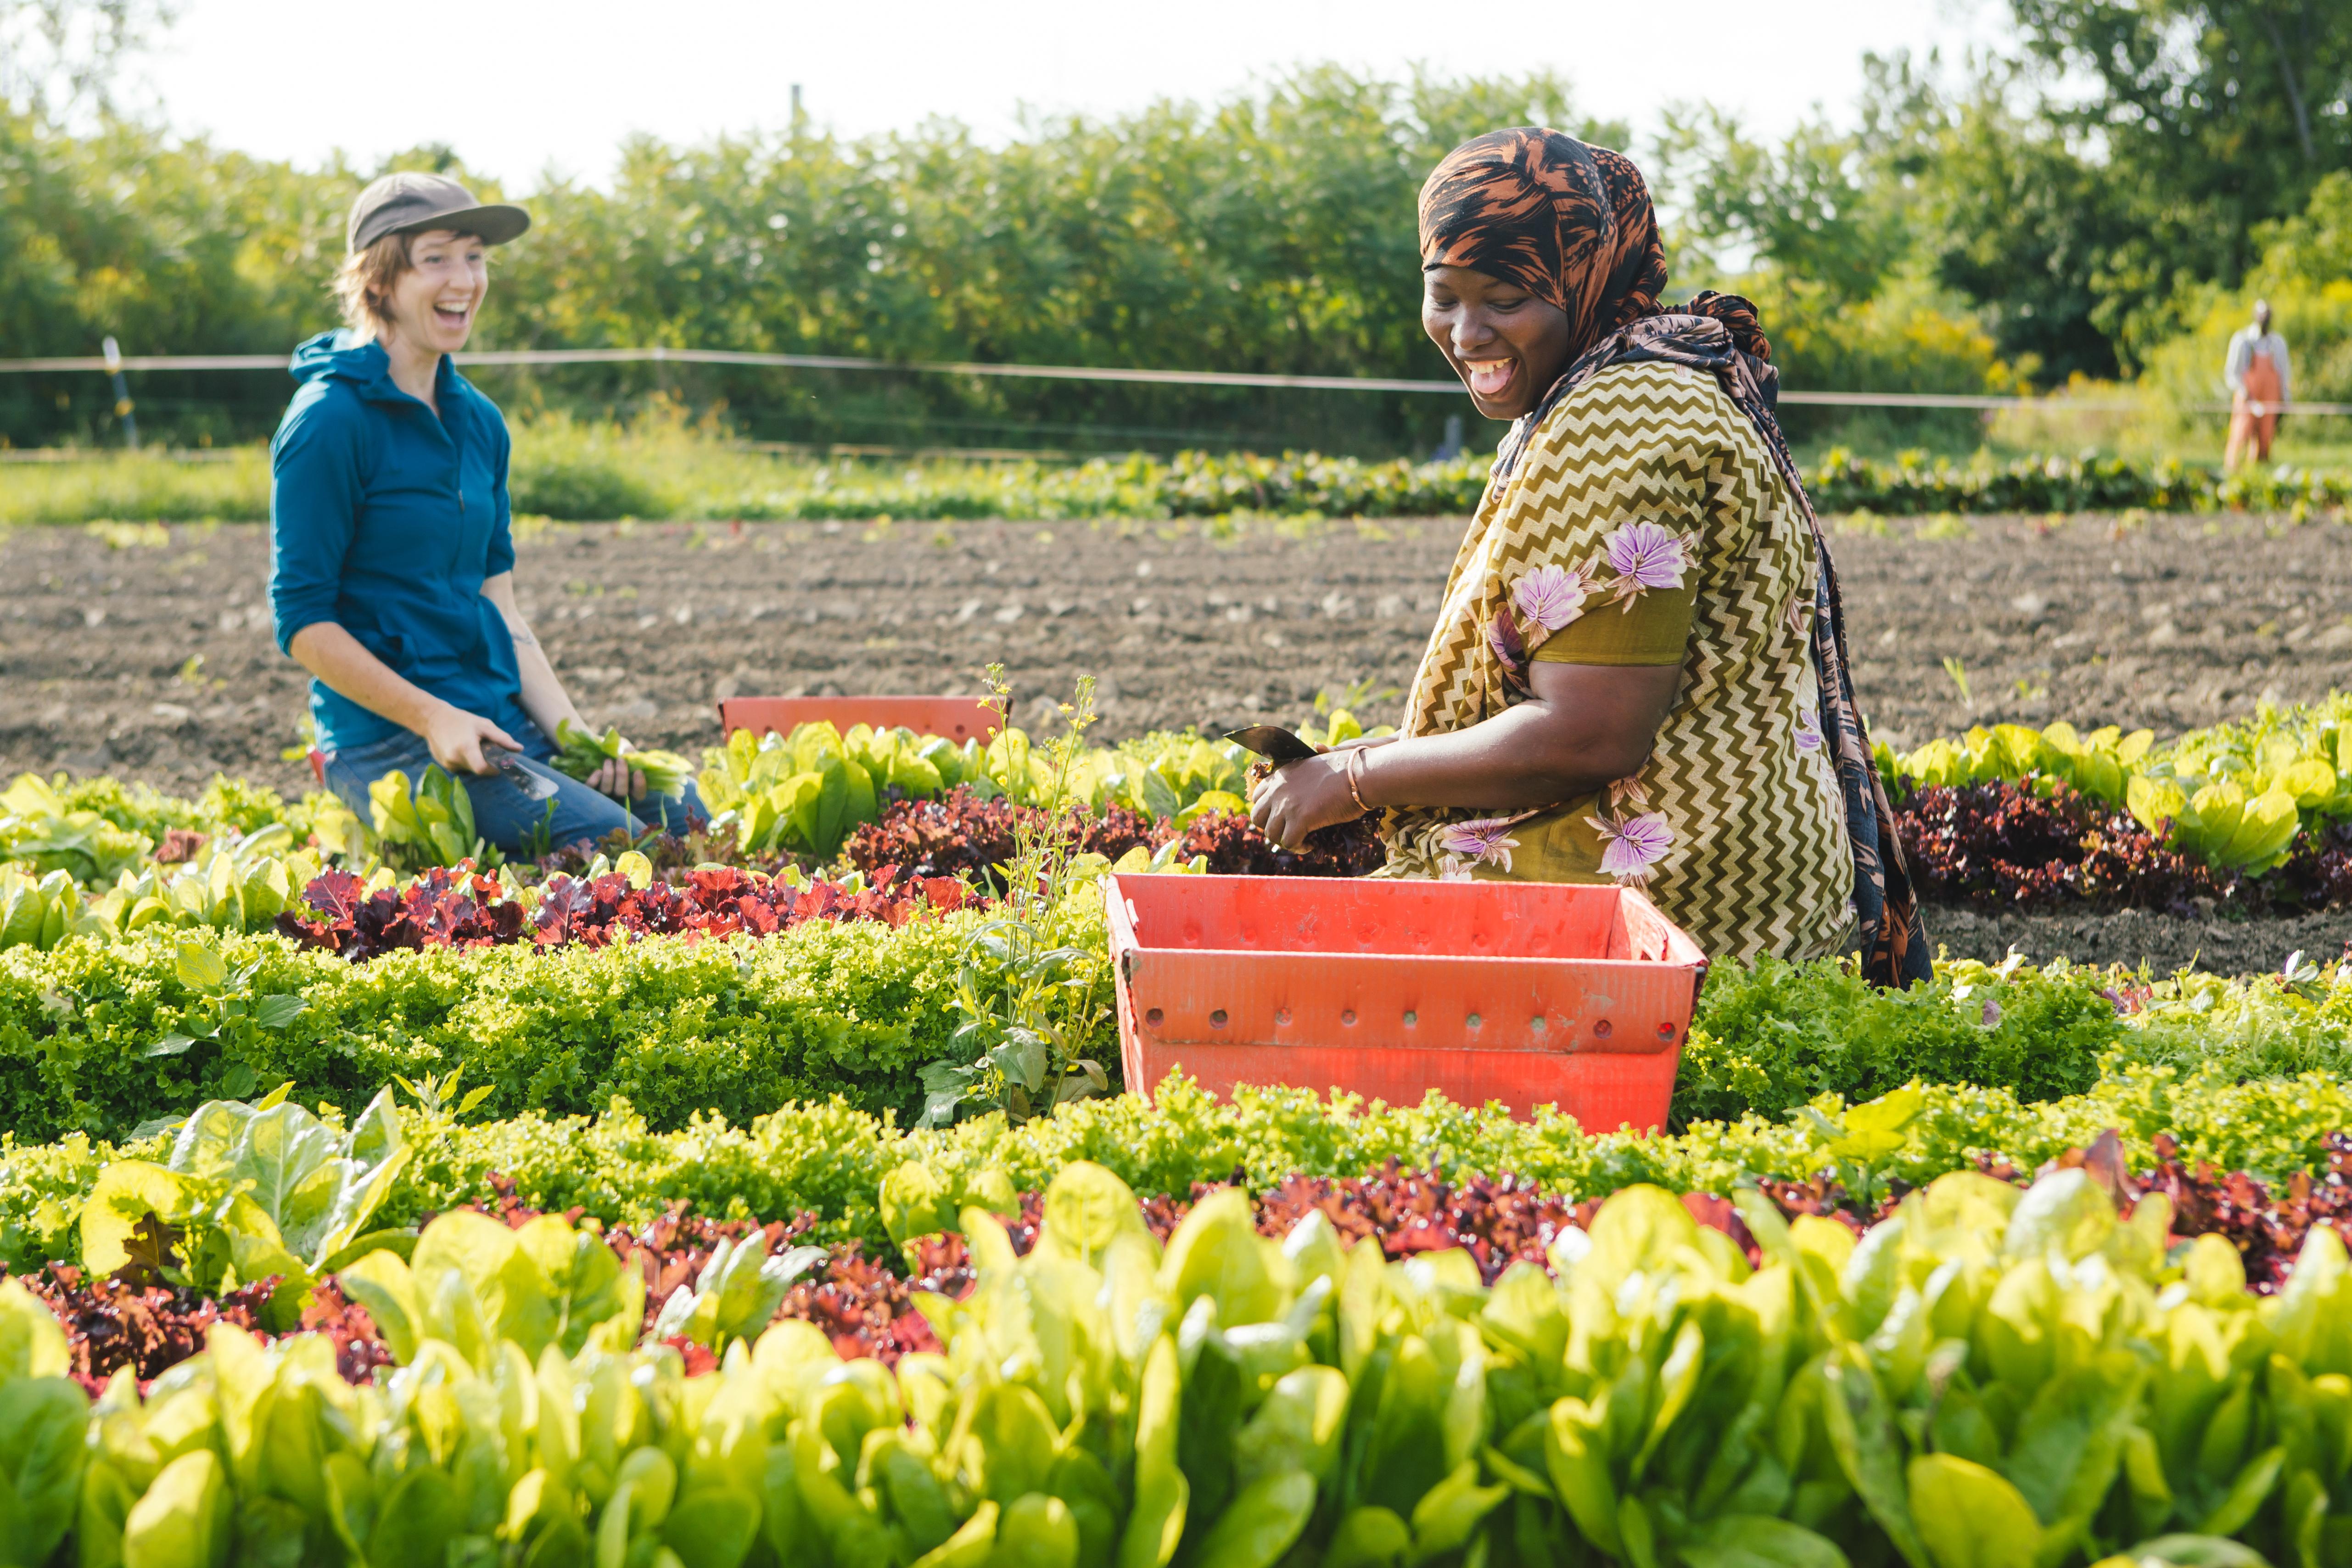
[(122, 392)]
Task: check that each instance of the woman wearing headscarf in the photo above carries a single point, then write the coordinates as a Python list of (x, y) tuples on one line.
[(1639, 673)]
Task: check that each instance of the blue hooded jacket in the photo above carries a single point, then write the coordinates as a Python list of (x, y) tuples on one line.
[(387, 520)]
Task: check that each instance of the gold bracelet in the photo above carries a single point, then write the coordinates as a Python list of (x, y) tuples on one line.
[(1353, 767)]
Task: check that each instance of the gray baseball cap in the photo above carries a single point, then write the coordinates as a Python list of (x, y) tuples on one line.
[(409, 200)]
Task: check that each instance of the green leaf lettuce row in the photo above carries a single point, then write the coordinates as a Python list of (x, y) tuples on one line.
[(1665, 1403)]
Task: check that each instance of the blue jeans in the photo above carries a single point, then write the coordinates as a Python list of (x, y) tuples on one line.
[(511, 804)]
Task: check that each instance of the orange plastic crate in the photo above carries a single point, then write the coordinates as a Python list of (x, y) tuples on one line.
[(960, 719), (1528, 994)]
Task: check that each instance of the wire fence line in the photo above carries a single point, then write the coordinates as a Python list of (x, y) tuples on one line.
[(657, 354)]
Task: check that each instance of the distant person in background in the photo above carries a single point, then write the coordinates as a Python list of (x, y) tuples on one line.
[(2257, 375), (391, 563)]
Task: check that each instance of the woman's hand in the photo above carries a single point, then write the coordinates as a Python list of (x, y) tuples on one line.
[(1302, 796), (456, 739), (616, 778)]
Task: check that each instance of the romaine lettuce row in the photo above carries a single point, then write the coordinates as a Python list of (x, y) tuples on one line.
[(1985, 1378)]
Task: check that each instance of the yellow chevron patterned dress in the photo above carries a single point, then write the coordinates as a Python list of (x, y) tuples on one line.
[(1646, 523)]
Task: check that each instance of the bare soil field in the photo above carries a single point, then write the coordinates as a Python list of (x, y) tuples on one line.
[(157, 662)]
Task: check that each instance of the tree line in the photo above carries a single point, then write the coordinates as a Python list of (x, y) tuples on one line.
[(2097, 201)]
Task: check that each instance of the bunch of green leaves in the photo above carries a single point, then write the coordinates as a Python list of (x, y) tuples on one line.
[(737, 1293), (2238, 795), (1860, 1142), (782, 792), (2220, 823), (430, 824), (100, 828), (581, 753), (918, 767), (41, 911), (1170, 777), (2098, 765), (737, 1027), (247, 1192), (1990, 1375), (2280, 1027), (231, 886), (47, 1430), (476, 1284), (1178, 775), (1911, 1397), (237, 881)]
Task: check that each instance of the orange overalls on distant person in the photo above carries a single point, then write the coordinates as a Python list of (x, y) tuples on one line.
[(2260, 381), (2253, 412)]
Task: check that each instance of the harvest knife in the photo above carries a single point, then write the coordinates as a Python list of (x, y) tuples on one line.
[(1271, 742)]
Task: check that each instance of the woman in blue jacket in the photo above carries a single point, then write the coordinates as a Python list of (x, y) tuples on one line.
[(392, 572)]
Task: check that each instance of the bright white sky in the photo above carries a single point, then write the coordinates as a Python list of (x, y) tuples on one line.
[(519, 88)]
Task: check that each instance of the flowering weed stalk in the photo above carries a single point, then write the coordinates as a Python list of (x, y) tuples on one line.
[(1031, 989)]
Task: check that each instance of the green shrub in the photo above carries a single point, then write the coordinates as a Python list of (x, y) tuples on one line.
[(588, 492), (140, 487), (574, 487)]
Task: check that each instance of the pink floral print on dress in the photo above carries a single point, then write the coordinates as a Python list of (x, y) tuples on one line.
[(1551, 596), (1644, 555), (1633, 845), (1481, 840)]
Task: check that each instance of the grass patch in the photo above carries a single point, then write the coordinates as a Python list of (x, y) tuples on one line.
[(667, 466)]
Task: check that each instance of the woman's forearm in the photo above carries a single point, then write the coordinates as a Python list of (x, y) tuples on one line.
[(1477, 767), (1586, 726), (544, 696), (338, 658)]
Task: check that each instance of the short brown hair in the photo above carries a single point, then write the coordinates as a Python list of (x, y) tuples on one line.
[(363, 282)]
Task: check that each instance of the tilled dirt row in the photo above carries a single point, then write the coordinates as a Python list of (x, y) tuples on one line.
[(2138, 938), (157, 662)]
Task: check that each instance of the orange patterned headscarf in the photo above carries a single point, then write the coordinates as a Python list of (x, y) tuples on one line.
[(1569, 223)]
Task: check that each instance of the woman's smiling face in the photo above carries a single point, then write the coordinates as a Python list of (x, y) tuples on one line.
[(1506, 345), (433, 303)]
